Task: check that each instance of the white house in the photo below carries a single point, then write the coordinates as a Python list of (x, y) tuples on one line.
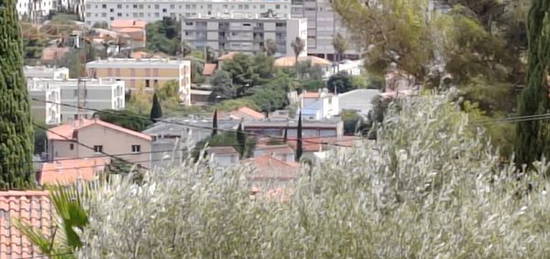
[(359, 100), (318, 105)]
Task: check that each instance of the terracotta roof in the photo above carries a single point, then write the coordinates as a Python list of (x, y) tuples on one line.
[(66, 172), (209, 69), (68, 130), (249, 112), (290, 61), (270, 168), (51, 53), (31, 207), (279, 149), (314, 95), (218, 150), (228, 56), (319, 144), (141, 54), (128, 23)]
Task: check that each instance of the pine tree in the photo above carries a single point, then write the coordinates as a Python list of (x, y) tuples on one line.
[(534, 135), (16, 131), (156, 109), (299, 144), (215, 123), (241, 140)]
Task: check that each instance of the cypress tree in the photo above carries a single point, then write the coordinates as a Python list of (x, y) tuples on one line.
[(156, 109), (16, 131), (215, 123), (299, 144), (533, 136), (241, 140), (285, 135)]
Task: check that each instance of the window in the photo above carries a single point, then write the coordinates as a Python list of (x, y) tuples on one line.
[(98, 148), (189, 23), (71, 146), (164, 10), (278, 6), (156, 6), (135, 6), (136, 148), (119, 6), (104, 6)]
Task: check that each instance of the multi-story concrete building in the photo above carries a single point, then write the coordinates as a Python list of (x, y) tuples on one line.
[(90, 93), (323, 23), (57, 73), (244, 34), (145, 74), (32, 9), (152, 10)]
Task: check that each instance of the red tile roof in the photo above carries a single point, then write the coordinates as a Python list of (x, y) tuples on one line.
[(66, 172), (314, 95), (228, 56), (209, 69), (52, 53), (68, 130), (270, 168), (122, 23), (31, 207)]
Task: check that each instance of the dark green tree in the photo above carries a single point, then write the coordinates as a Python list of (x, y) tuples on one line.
[(285, 135), (16, 130), (215, 123), (241, 140), (156, 109), (533, 136), (299, 144), (340, 83), (124, 118)]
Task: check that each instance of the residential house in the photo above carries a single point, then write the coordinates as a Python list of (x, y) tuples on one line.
[(51, 55), (54, 73), (318, 105), (103, 137), (146, 74), (359, 100), (270, 172), (223, 155), (290, 61), (70, 171), (244, 34), (31, 207), (242, 113), (282, 152), (56, 101), (310, 128), (135, 29)]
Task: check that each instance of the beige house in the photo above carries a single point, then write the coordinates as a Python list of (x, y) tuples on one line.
[(145, 74), (132, 146)]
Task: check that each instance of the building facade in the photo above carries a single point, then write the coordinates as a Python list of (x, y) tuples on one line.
[(145, 74), (152, 10), (323, 23), (56, 98), (57, 73), (102, 137), (244, 34)]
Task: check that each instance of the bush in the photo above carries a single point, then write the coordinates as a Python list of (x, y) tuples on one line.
[(430, 187)]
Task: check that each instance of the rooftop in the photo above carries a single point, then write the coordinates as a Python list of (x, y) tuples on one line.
[(137, 62), (290, 61), (209, 69), (292, 123), (128, 23), (31, 207), (66, 172), (244, 112), (68, 130), (270, 168), (219, 150)]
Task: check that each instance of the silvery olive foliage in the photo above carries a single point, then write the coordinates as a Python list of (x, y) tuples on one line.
[(429, 187)]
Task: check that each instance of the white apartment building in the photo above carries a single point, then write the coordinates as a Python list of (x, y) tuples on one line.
[(93, 94), (32, 9), (145, 74), (244, 34), (323, 24), (57, 73), (153, 10)]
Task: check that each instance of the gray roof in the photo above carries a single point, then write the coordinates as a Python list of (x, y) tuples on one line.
[(194, 129), (332, 123), (359, 100)]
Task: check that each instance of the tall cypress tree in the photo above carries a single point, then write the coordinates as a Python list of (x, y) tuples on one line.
[(156, 109), (241, 140), (16, 131), (285, 135), (215, 123), (533, 136), (299, 144)]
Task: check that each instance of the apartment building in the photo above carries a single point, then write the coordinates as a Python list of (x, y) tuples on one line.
[(57, 73), (145, 74), (91, 93), (244, 34), (103, 137), (323, 23), (35, 9), (152, 10)]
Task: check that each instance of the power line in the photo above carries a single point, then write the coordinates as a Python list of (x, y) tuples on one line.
[(86, 146), (99, 156), (306, 140)]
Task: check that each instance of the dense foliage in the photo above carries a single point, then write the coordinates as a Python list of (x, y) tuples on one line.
[(164, 36), (430, 187), (126, 119), (16, 130)]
